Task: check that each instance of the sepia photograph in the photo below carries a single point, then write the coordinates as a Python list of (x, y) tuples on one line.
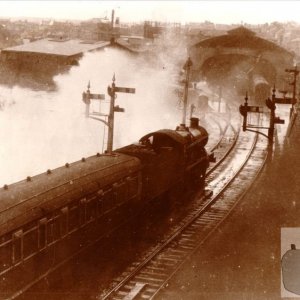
[(149, 150)]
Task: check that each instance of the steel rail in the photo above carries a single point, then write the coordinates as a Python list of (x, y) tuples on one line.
[(179, 231), (258, 172)]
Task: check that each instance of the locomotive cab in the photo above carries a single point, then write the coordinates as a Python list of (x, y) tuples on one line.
[(159, 143)]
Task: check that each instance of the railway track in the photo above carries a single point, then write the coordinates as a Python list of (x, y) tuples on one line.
[(229, 179), (216, 133), (223, 122), (221, 129)]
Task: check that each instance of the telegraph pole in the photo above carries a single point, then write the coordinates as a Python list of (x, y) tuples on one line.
[(187, 67)]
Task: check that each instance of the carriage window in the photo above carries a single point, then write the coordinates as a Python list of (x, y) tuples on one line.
[(42, 233), (82, 211), (91, 208), (99, 202), (108, 200), (17, 254), (64, 212), (115, 194), (132, 184), (5, 255), (30, 241), (53, 229), (148, 142), (73, 217)]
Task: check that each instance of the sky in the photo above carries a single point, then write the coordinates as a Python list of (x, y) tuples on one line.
[(226, 12)]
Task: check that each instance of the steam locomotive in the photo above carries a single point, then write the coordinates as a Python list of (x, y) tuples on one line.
[(48, 219)]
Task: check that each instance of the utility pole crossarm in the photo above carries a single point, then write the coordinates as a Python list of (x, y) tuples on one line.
[(88, 96)]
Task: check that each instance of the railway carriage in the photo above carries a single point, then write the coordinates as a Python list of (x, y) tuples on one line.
[(47, 219)]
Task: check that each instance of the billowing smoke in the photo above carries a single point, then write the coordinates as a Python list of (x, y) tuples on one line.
[(41, 130)]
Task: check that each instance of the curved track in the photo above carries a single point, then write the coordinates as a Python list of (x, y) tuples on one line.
[(219, 130), (229, 180)]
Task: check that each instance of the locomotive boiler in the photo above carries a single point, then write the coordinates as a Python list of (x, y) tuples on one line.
[(48, 219)]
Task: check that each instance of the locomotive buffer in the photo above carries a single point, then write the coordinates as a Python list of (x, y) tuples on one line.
[(111, 90)]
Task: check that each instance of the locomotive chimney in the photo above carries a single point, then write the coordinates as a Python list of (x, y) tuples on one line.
[(194, 123)]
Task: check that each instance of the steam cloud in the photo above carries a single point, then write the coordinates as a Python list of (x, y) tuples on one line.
[(42, 130)]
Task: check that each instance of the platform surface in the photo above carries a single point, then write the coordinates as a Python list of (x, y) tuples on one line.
[(242, 260)]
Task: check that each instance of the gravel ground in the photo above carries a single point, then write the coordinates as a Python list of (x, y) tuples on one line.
[(242, 259)]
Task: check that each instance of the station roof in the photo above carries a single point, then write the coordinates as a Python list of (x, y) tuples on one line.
[(58, 47), (240, 37)]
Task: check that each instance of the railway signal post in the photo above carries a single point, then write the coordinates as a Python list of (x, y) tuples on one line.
[(244, 112), (112, 93), (245, 109), (111, 90), (271, 105)]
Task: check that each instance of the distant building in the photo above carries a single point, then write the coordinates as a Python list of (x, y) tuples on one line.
[(95, 30), (239, 55), (152, 29), (55, 51)]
